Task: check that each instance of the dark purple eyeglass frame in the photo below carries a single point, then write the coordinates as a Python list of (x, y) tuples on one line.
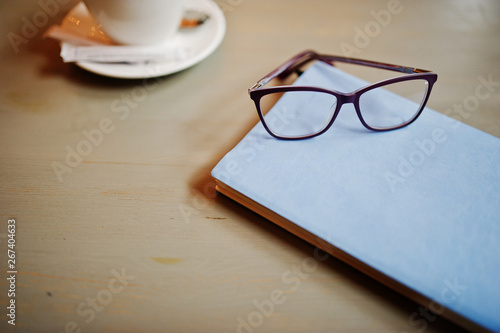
[(257, 91)]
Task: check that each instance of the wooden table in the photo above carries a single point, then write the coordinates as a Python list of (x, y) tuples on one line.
[(132, 238)]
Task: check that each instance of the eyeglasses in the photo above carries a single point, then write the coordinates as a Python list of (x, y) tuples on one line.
[(376, 105)]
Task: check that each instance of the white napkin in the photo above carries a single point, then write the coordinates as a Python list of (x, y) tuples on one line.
[(119, 53), (77, 47)]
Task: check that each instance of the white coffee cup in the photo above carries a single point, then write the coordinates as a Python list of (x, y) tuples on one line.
[(137, 22)]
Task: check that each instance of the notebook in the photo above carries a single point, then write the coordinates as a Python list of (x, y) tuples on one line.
[(417, 208)]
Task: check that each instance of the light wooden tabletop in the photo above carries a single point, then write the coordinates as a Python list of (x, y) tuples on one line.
[(132, 238)]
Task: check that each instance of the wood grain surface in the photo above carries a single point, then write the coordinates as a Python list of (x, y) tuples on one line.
[(131, 237)]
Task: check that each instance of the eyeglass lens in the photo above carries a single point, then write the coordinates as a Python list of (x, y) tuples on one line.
[(392, 105), (297, 113)]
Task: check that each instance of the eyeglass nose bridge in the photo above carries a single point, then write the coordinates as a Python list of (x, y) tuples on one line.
[(346, 98), (342, 98)]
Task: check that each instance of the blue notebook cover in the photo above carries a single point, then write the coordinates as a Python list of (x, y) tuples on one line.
[(420, 205)]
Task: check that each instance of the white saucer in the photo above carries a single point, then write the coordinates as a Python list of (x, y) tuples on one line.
[(201, 41)]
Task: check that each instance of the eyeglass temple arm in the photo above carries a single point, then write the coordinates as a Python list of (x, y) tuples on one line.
[(381, 65), (286, 68), (302, 58)]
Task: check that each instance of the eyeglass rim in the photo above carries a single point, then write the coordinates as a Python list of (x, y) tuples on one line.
[(257, 91)]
